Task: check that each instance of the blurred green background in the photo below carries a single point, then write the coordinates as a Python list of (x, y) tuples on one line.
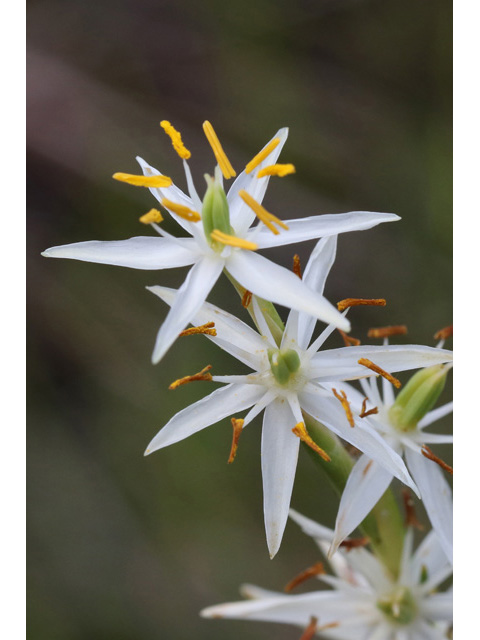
[(125, 547)]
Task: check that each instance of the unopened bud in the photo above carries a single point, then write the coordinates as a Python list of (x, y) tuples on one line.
[(215, 212)]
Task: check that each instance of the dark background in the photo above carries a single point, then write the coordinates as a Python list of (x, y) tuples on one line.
[(125, 547)]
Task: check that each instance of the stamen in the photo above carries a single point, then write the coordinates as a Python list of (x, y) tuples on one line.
[(428, 453), (342, 396), (260, 157), (355, 302), (223, 162), (354, 543), (297, 267), (410, 515), (246, 298), (349, 341), (315, 570), (280, 170), (201, 375), (153, 215), (143, 181), (301, 431), (176, 139), (184, 212), (311, 630), (233, 241), (237, 425), (364, 413), (365, 362), (386, 332), (205, 329), (266, 217), (444, 333), (330, 625)]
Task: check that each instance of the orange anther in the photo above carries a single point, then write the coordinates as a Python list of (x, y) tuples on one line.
[(301, 432), (237, 424), (444, 333), (315, 570), (297, 267), (428, 453), (311, 630), (364, 413), (354, 543), (201, 375), (342, 397), (206, 329), (365, 362), (246, 298), (349, 341), (385, 332), (355, 302)]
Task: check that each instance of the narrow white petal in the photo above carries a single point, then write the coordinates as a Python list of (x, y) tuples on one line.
[(424, 631), (429, 555), (188, 301), (313, 227), (259, 407), (436, 495), (136, 253), (272, 282), (279, 462), (207, 411), (436, 414), (433, 438), (438, 606), (366, 484), (312, 528)]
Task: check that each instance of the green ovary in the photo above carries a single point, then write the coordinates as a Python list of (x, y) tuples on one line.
[(399, 606), (284, 364)]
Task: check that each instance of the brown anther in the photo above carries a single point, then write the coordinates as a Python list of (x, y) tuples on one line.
[(365, 362), (246, 298), (301, 432), (410, 515), (330, 625), (315, 570), (237, 424), (386, 332), (342, 396), (349, 341), (297, 267), (354, 543), (364, 413), (201, 375), (311, 630), (444, 333), (205, 329), (428, 453), (355, 302)]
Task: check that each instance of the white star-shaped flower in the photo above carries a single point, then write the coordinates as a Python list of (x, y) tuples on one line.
[(364, 602), (290, 378), (221, 237)]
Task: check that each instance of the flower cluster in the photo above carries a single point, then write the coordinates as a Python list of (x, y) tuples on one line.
[(327, 398)]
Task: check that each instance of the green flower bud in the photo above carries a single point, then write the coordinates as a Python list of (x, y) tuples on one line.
[(418, 397), (215, 212), (399, 606), (283, 364)]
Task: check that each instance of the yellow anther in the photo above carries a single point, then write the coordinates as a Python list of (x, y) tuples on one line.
[(246, 298), (301, 432), (267, 218), (233, 241), (181, 210), (205, 329), (280, 170), (260, 157), (143, 181), (201, 375), (297, 266), (342, 397), (176, 139), (223, 162), (355, 302), (153, 215), (237, 424), (365, 362)]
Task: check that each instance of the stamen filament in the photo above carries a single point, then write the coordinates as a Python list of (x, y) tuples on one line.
[(410, 515), (201, 375), (365, 362), (311, 630), (223, 162), (297, 267), (349, 341), (205, 329), (315, 570), (176, 139), (260, 157), (428, 453), (246, 298), (280, 170), (444, 333), (364, 413), (300, 431), (153, 215), (143, 181), (386, 332), (342, 397), (355, 302), (354, 543), (233, 241), (181, 210), (237, 424), (265, 216)]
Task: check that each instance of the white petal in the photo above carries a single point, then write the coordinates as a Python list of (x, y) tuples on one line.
[(312, 528), (233, 335), (436, 414), (366, 484), (342, 363), (188, 301), (313, 227), (136, 253), (436, 495), (279, 462), (241, 216), (438, 606), (429, 555), (272, 282), (433, 438), (207, 411)]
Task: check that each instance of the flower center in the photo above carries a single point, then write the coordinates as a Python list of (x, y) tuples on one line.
[(399, 606), (284, 364)]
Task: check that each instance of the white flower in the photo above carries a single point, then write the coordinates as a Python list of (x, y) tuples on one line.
[(364, 602), (368, 480), (221, 239), (286, 381)]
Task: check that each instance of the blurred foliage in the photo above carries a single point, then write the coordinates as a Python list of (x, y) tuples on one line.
[(127, 547)]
